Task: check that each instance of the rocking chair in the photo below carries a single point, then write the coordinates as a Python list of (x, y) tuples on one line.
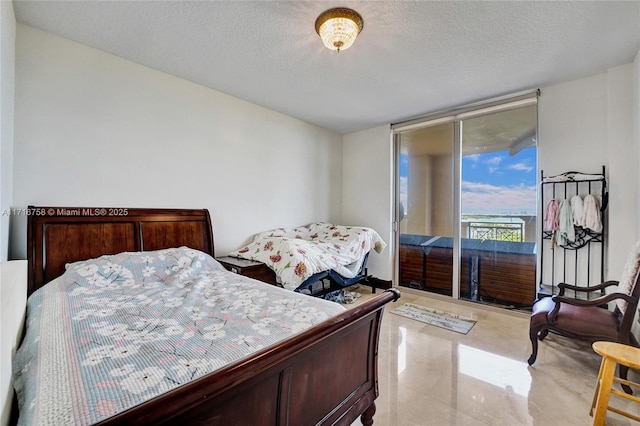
[(588, 320)]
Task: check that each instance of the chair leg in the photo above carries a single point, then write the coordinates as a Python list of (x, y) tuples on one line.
[(623, 371), (604, 389), (596, 392), (533, 335)]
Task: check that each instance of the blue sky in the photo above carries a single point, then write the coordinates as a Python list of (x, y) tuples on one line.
[(493, 183), (497, 183)]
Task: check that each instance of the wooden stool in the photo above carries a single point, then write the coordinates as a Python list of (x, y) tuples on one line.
[(613, 354)]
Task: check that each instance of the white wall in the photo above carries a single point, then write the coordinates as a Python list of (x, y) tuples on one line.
[(13, 304), (367, 190), (623, 193), (93, 129), (7, 82), (585, 124), (572, 130), (635, 153)]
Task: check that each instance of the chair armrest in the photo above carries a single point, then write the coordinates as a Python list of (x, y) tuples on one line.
[(593, 302), (565, 286)]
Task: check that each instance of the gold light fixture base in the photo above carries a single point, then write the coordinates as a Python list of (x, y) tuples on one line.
[(339, 27)]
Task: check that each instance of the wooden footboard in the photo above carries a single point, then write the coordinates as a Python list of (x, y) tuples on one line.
[(326, 375)]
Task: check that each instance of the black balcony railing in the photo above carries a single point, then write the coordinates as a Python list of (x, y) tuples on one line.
[(498, 231)]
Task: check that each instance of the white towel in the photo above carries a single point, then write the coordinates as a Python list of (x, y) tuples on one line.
[(559, 178), (572, 177), (576, 209), (565, 233), (591, 214), (583, 176)]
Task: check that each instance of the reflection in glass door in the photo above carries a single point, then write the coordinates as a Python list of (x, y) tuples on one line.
[(425, 205), (466, 213)]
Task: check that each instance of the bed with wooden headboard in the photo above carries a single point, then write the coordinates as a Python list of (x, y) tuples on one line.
[(304, 380)]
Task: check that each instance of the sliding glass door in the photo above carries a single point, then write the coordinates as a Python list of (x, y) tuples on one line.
[(466, 195), (426, 201)]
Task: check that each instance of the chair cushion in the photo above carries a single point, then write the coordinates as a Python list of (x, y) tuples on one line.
[(629, 275), (586, 322)]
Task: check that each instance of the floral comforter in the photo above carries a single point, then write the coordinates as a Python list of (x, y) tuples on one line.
[(295, 254), (115, 331)]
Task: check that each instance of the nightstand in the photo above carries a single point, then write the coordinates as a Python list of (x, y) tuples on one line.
[(249, 268)]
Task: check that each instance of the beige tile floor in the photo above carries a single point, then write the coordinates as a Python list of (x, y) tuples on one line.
[(432, 376)]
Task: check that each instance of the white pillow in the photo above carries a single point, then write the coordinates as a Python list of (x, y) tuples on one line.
[(629, 274)]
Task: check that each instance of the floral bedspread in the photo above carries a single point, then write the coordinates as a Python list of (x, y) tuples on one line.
[(295, 254), (115, 331)]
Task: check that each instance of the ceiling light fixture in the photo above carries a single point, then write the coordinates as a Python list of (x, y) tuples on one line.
[(339, 27)]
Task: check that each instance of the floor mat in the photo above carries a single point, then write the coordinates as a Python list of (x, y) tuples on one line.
[(440, 319)]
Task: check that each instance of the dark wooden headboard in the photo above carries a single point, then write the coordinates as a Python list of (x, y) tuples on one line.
[(60, 235)]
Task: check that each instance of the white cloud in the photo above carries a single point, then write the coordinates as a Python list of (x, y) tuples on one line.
[(494, 160), (485, 198), (520, 166)]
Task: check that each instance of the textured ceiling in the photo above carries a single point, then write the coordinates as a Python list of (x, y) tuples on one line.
[(412, 58)]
